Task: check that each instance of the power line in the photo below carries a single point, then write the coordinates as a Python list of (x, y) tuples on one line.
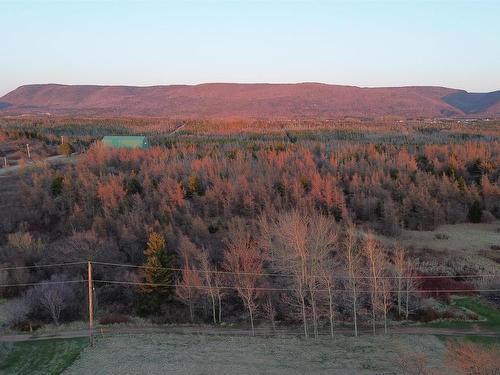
[(41, 266), (42, 283), (246, 273), (289, 275), (138, 283)]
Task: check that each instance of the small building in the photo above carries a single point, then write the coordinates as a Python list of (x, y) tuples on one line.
[(125, 141)]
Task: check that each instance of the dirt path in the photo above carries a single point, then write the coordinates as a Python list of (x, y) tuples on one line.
[(57, 159), (218, 331), (179, 128)]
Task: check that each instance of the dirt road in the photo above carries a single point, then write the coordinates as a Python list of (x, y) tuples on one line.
[(57, 159), (225, 331)]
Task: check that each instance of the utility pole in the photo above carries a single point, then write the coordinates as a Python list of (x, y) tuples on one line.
[(62, 139), (28, 148), (91, 303), (5, 161)]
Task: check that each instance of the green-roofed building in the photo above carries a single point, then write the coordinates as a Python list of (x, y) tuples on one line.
[(125, 141)]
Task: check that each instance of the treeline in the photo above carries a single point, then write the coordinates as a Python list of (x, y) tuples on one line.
[(196, 188), (232, 205), (390, 129), (296, 267)]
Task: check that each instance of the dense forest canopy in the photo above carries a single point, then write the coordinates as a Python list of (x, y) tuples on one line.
[(199, 191)]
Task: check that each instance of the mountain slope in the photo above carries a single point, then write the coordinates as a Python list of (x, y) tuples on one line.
[(222, 100), (473, 102)]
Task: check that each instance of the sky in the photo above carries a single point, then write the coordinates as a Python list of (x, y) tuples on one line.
[(364, 43)]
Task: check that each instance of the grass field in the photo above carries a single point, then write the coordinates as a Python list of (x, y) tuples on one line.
[(489, 316), (160, 353), (482, 340), (466, 237), (196, 354), (40, 357)]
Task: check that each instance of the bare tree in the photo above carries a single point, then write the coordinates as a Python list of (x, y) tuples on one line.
[(244, 259), (53, 296), (406, 280), (411, 284), (323, 241), (209, 283), (269, 307), (353, 263), (376, 264), (302, 247), (52, 301), (386, 288), (400, 272), (188, 287), (219, 291), (286, 241), (327, 281)]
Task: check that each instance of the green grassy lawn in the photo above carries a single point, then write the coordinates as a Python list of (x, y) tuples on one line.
[(490, 317), (483, 340), (41, 357)]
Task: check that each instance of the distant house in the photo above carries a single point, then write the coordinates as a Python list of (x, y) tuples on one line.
[(122, 141)]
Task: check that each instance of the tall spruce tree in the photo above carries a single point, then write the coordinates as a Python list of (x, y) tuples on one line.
[(158, 278)]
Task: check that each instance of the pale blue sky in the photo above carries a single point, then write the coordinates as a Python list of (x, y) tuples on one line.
[(372, 43)]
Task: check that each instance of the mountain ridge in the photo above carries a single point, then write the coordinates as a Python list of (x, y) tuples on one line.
[(249, 100)]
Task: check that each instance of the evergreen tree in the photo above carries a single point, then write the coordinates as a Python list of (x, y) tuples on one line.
[(158, 278), (475, 212)]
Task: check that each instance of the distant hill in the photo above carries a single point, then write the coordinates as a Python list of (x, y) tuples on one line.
[(232, 100)]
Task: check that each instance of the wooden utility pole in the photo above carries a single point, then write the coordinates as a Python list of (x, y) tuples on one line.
[(28, 148), (62, 139), (91, 303)]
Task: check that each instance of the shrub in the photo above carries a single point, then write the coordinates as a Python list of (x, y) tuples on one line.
[(426, 315), (16, 311), (114, 318), (194, 186), (56, 186), (133, 186), (66, 149), (394, 172), (487, 217), (475, 212), (441, 287)]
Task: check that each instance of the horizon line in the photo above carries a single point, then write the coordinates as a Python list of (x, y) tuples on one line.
[(248, 83)]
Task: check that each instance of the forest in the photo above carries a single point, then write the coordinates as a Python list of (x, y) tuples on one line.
[(289, 223)]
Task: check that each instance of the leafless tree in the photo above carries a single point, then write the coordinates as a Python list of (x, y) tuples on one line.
[(352, 260), (269, 307), (302, 246), (188, 287), (386, 286), (411, 283), (400, 270), (219, 291), (286, 240), (53, 296), (376, 264), (406, 280), (209, 283), (244, 260), (323, 238)]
